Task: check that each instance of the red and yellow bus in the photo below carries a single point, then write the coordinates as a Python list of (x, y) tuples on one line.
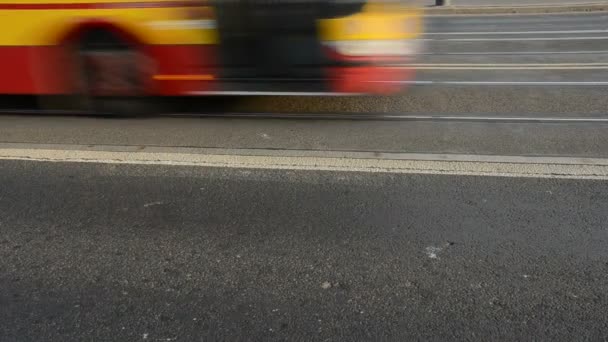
[(108, 49)]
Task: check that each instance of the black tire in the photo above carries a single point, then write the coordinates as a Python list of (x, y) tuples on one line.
[(106, 47)]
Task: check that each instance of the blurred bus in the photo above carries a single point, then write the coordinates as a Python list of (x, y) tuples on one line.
[(101, 52)]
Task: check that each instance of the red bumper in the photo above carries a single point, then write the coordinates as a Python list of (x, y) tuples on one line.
[(370, 79)]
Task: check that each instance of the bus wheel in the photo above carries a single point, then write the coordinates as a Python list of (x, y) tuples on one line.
[(110, 76)]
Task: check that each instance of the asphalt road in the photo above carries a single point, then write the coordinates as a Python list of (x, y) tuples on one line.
[(510, 2), (128, 252), (513, 65), (551, 48), (527, 95), (496, 64), (194, 254), (477, 136), (553, 64)]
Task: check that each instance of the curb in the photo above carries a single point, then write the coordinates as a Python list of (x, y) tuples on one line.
[(528, 9)]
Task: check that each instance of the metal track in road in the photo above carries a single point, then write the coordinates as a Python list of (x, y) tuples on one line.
[(351, 116), (509, 83), (404, 117), (497, 33), (40, 112), (509, 53)]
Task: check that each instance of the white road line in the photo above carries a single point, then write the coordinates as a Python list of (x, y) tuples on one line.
[(507, 18), (509, 68), (528, 83), (513, 32), (499, 118), (505, 166), (512, 39), (417, 82), (511, 64), (437, 118), (485, 53)]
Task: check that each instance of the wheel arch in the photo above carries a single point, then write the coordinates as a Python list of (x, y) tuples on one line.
[(49, 70), (75, 32)]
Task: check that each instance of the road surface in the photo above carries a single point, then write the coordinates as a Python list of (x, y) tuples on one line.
[(498, 64), (473, 208), (135, 253), (511, 2)]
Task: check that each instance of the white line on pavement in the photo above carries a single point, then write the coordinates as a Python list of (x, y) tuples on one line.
[(498, 118), (481, 66), (503, 166), (511, 64), (486, 53), (516, 18), (507, 66), (506, 83), (397, 116), (512, 39), (513, 32)]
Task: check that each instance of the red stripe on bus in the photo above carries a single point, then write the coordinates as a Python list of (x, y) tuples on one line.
[(97, 5), (44, 70)]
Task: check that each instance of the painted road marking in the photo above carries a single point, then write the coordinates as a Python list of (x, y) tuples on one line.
[(471, 165), (485, 53), (514, 32), (512, 39), (507, 83), (512, 18), (494, 118), (411, 117), (508, 66), (472, 67)]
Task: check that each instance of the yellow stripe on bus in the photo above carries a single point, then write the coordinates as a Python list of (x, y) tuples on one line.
[(47, 27), (375, 22)]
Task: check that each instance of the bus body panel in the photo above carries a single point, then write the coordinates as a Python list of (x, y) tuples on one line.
[(35, 46), (181, 39)]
